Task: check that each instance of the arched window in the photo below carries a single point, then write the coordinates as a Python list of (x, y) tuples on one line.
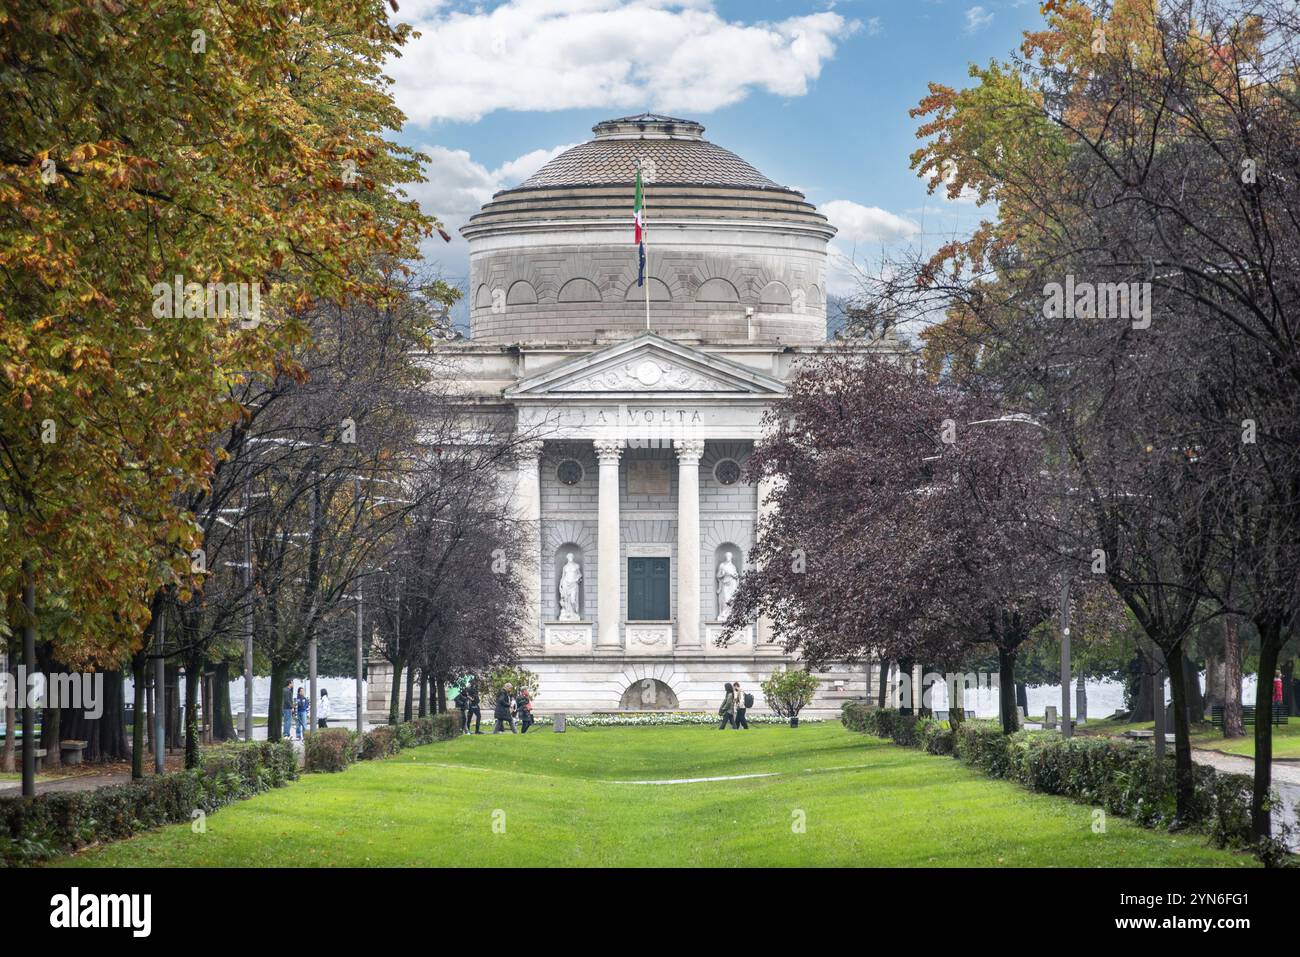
[(579, 290), (521, 293), (717, 290)]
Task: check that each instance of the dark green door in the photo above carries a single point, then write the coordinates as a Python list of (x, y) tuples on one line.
[(647, 589)]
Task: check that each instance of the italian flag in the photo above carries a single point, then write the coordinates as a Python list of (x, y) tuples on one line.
[(636, 212)]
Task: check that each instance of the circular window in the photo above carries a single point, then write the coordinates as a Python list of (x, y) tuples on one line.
[(727, 472), (569, 472)]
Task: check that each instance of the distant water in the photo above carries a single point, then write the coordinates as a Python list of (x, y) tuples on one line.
[(342, 692), (1105, 697)]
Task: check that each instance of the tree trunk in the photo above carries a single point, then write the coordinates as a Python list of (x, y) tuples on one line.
[(50, 736), (1143, 701), (139, 667), (1213, 676), (410, 693), (172, 703), (1270, 643), (424, 693), (1183, 781), (275, 705), (1233, 724), (908, 701), (11, 717), (193, 679), (1007, 712), (441, 687), (223, 722), (1192, 681), (1022, 698), (394, 697), (882, 686)]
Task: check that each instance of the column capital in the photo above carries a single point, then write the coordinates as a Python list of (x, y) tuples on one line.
[(608, 451), (530, 448), (689, 451)]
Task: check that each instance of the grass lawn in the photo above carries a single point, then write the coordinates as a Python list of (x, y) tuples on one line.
[(559, 797), (1286, 737)]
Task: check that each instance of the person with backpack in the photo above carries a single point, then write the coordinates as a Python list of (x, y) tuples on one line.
[(743, 703), (728, 709)]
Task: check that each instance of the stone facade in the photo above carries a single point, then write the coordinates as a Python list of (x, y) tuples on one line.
[(636, 440)]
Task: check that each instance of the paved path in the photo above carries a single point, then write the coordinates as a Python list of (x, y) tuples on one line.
[(1286, 781), (80, 782)]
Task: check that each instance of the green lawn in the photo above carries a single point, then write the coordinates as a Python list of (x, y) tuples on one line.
[(559, 802), (1286, 737)]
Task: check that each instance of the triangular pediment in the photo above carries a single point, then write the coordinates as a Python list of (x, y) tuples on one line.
[(647, 364)]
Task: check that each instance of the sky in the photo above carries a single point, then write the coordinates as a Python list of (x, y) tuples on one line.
[(815, 94)]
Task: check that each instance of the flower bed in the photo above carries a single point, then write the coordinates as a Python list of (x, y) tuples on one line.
[(661, 718)]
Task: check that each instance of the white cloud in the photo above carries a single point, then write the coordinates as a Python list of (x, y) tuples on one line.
[(456, 185), (977, 18), (870, 224), (668, 55)]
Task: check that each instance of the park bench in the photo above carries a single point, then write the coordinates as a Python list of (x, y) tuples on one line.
[(71, 751), (1247, 716), (40, 757)]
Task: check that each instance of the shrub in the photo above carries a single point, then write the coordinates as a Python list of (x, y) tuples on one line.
[(788, 692), (33, 829), (498, 677), (379, 742), (445, 726), (1123, 777), (330, 749)]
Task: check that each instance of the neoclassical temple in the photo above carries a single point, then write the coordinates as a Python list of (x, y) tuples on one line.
[(637, 429)]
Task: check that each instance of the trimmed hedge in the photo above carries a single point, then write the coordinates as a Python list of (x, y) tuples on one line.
[(35, 829), (330, 749), (1125, 778)]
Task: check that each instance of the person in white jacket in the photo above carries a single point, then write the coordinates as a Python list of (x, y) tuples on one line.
[(323, 710)]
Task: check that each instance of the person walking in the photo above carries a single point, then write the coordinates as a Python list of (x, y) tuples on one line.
[(286, 705), (728, 709), (473, 711), (323, 710), (302, 707), (743, 702), (524, 704), (462, 705), (502, 710)]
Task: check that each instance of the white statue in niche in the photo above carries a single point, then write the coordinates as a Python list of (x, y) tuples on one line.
[(649, 695), (570, 581), (727, 578)]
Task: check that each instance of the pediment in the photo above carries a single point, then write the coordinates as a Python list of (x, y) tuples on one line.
[(648, 364)]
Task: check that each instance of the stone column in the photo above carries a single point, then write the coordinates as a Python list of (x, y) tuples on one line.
[(609, 566), (689, 453), (764, 634), (528, 504)]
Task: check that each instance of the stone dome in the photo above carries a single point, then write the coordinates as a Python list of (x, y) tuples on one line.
[(730, 253)]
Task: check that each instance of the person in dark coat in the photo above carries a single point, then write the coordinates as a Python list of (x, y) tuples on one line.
[(462, 705), (502, 711), (524, 705), (472, 709), (728, 709)]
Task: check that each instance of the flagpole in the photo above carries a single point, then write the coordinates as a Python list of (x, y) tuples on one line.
[(645, 237)]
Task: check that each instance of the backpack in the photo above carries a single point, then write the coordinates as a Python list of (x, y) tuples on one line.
[(749, 700)]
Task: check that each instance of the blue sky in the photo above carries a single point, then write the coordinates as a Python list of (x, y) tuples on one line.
[(814, 94)]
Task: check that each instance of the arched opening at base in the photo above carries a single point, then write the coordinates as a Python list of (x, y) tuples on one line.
[(648, 694)]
